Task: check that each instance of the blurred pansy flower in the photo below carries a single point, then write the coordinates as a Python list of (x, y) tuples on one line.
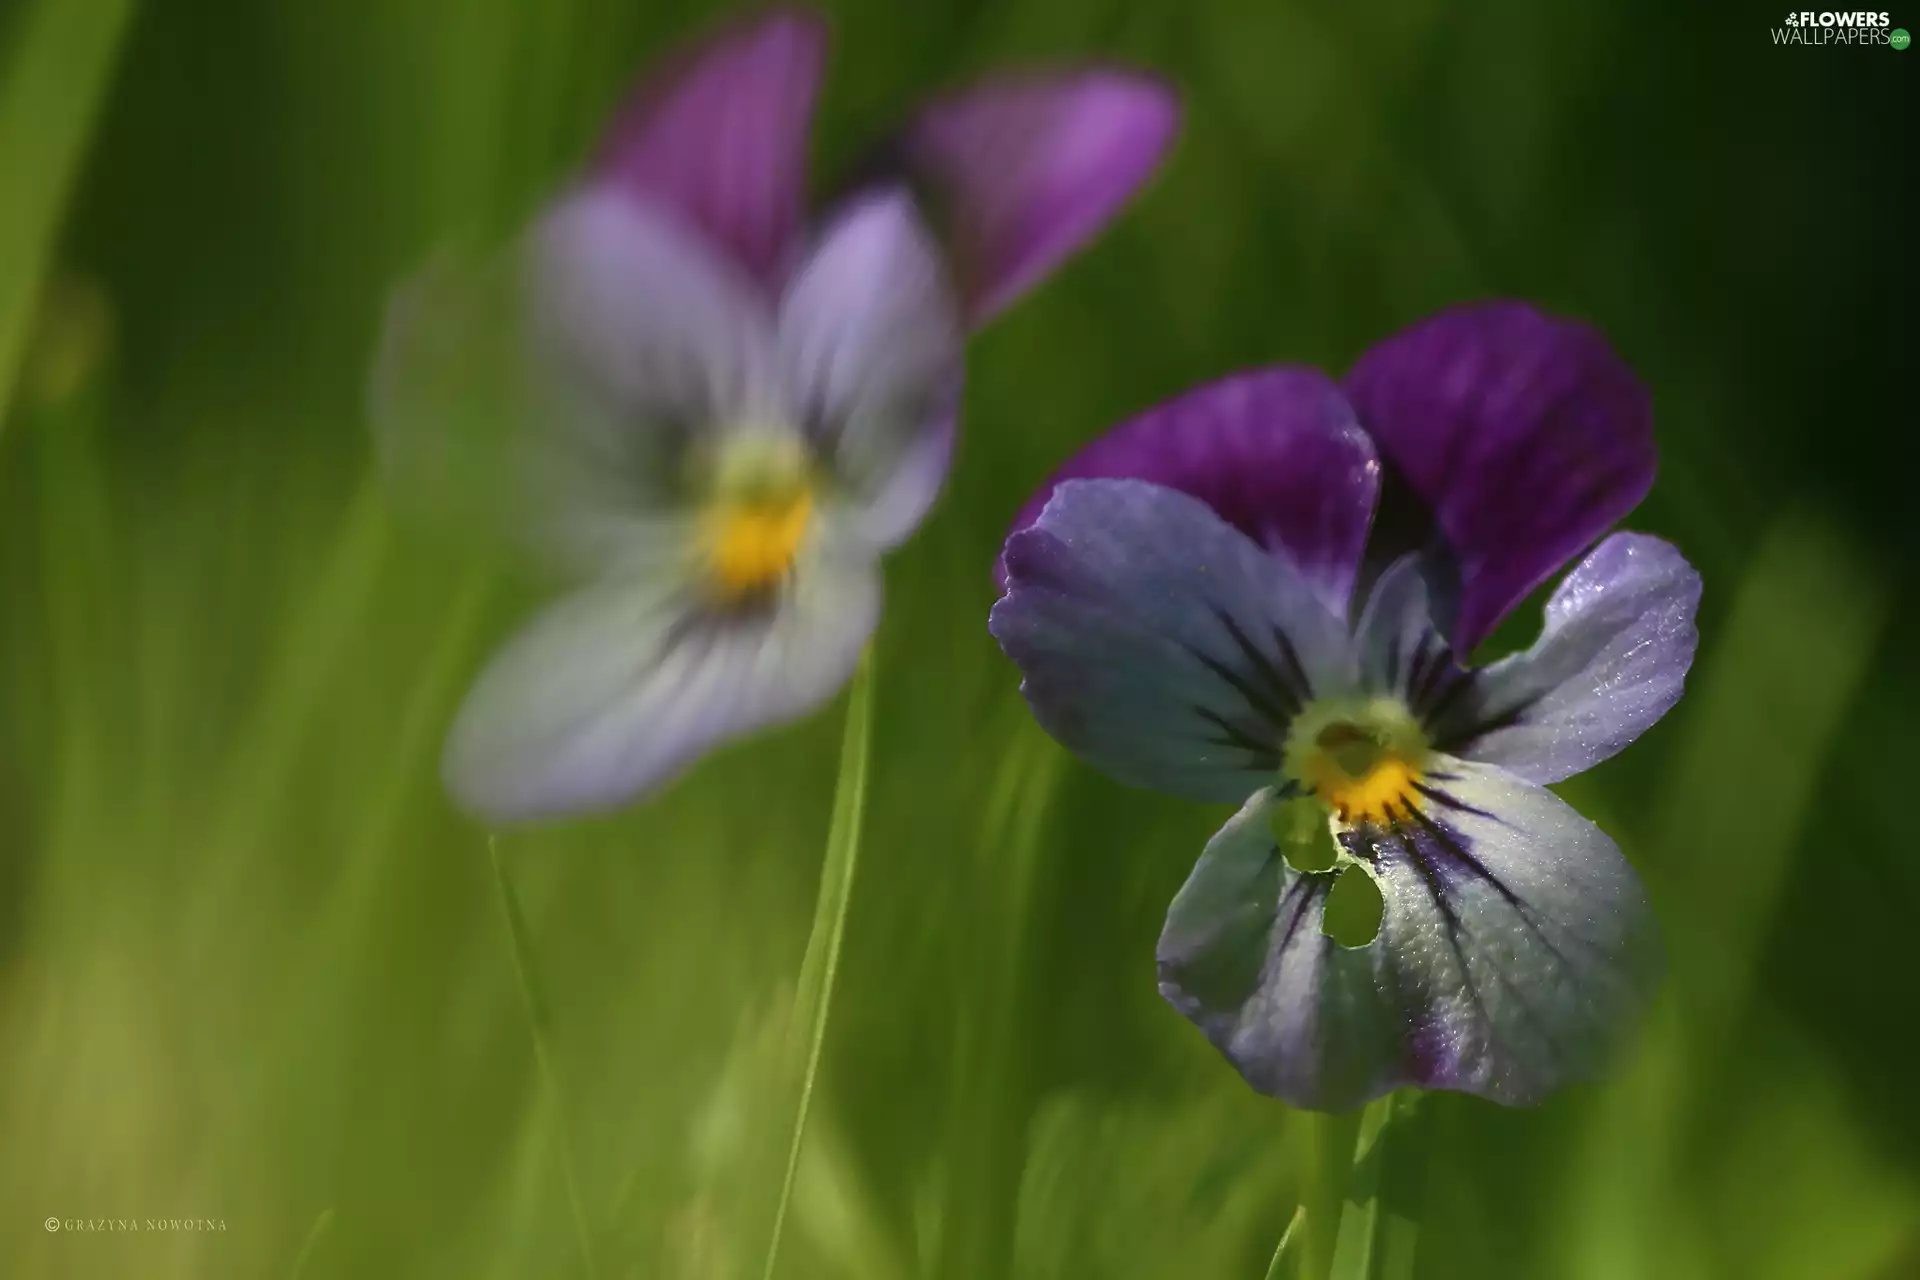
[(711, 416), (1181, 600)]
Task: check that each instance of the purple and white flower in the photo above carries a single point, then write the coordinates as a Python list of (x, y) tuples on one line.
[(1182, 601), (712, 416)]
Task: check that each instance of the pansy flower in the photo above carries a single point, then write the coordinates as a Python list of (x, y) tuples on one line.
[(1181, 600), (711, 415)]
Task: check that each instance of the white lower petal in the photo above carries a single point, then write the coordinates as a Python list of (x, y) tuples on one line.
[(1515, 952), (614, 690)]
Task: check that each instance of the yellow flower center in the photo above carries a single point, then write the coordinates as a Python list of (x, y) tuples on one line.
[(758, 486), (751, 544), (1363, 760)]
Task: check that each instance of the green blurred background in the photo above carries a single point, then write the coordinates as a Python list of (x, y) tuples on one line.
[(253, 968)]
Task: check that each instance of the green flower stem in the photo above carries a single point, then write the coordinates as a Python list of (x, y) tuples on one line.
[(821, 964), (1331, 1140), (1404, 1181), (540, 1025), (1380, 1230)]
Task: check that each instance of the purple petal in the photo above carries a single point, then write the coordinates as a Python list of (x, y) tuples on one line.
[(1028, 169), (870, 338), (720, 136), (1619, 639), (1158, 643), (612, 692), (1514, 951), (1525, 435), (1276, 453)]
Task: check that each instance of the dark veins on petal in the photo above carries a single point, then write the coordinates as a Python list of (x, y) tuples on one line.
[(1228, 971), (1434, 686), (699, 621), (1427, 1062), (1278, 694), (1444, 862), (1263, 753), (1274, 690)]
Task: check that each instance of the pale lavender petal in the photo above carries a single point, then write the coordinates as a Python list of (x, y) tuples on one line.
[(1515, 952), (1026, 169), (647, 344), (636, 311), (1619, 639), (1158, 643), (870, 342), (720, 137), (1525, 435), (1275, 452), (545, 396), (1242, 956), (612, 692), (1403, 654)]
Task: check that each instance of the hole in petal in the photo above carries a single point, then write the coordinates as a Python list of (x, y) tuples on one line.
[(1301, 831), (1354, 909)]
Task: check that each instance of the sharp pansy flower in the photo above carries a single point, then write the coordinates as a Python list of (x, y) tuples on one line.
[(712, 415), (1182, 602)]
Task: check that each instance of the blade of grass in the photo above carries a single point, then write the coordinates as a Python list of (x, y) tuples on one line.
[(78, 559), (814, 999), (1768, 699), (297, 685), (996, 1091), (57, 69), (1285, 1254), (321, 1225), (417, 722), (540, 1025)]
